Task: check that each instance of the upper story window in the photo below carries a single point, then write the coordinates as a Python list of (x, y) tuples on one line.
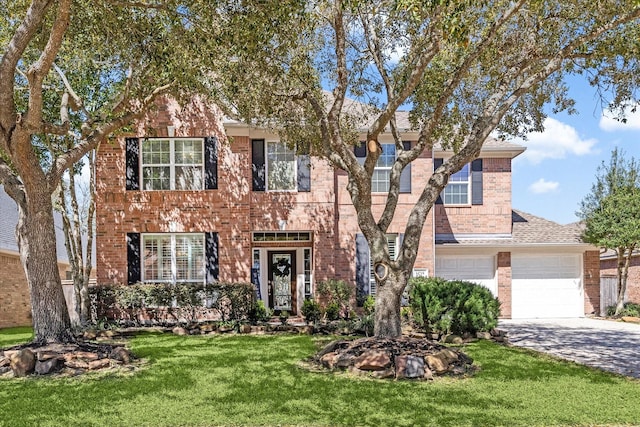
[(457, 190), (380, 180), (276, 167), (281, 167), (172, 164), (174, 258), (465, 187)]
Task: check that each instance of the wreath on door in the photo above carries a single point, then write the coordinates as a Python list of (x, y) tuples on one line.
[(281, 268)]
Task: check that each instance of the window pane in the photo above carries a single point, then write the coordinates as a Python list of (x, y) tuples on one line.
[(157, 258), (188, 178), (387, 157), (461, 176), (188, 151), (380, 180), (156, 178), (281, 166), (456, 194), (189, 258), (155, 151)]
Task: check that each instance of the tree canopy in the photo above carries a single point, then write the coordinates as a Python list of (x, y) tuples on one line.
[(465, 70)]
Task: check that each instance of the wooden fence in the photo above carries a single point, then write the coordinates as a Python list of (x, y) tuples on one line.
[(608, 293)]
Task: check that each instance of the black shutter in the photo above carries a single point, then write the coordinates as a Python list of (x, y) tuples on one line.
[(476, 182), (257, 164), (304, 172), (363, 272), (436, 164), (134, 265), (212, 258), (405, 178), (211, 163), (360, 152), (132, 161)]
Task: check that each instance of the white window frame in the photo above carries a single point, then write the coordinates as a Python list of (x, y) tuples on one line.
[(280, 144), (460, 184), (172, 165), (173, 261), (376, 183), (392, 247)]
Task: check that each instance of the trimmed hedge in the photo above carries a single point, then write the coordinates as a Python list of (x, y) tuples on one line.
[(457, 307), (182, 301)]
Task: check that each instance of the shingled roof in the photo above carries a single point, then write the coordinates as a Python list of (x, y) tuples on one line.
[(527, 230)]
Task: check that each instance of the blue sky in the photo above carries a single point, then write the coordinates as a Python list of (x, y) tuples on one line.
[(559, 166)]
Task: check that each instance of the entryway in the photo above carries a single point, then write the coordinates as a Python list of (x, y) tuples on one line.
[(282, 281)]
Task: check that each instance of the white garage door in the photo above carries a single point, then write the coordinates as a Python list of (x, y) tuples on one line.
[(546, 286), (477, 269)]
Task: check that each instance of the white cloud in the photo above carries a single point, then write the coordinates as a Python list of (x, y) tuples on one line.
[(542, 186), (556, 142), (609, 124)]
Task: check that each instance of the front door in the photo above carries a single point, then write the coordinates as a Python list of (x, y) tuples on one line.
[(282, 281)]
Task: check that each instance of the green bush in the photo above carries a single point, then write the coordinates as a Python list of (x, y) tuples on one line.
[(369, 305), (630, 309), (233, 301), (311, 310), (259, 312), (453, 306), (336, 292), (333, 311)]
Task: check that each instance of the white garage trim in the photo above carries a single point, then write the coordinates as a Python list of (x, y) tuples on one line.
[(546, 285), (479, 269)]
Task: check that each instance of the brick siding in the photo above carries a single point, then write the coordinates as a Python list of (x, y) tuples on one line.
[(504, 284), (608, 267), (591, 277)]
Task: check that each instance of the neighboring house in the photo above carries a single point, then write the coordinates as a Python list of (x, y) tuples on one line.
[(15, 306), (179, 202), (609, 268)]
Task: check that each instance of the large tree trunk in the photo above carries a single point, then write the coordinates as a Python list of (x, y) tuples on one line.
[(37, 243), (387, 312)]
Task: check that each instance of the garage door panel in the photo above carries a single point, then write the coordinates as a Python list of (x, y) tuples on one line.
[(547, 286), (480, 270)]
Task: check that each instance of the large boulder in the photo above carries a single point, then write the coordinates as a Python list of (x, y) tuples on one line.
[(373, 360), (23, 362)]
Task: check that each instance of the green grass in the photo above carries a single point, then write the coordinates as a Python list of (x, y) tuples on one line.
[(256, 380), (12, 336)]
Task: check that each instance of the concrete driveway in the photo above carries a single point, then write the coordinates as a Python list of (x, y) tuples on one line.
[(612, 346)]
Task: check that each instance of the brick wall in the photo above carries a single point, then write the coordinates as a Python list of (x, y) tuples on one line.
[(493, 216), (504, 284), (609, 268), (591, 275), (15, 304)]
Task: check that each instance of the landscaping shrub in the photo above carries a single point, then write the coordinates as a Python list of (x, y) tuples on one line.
[(453, 306), (233, 301), (333, 311), (630, 309), (336, 292), (311, 310), (259, 312), (369, 305)]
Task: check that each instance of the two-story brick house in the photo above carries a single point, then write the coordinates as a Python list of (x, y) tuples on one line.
[(189, 197)]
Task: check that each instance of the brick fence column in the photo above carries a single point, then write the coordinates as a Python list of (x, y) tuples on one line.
[(591, 277), (504, 284)]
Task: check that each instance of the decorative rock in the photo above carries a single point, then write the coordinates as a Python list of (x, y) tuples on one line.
[(483, 335), (4, 361), (409, 366), (344, 361), (437, 364), (385, 373), (428, 374), (448, 355), (245, 329), (99, 364), (207, 327), (86, 355), (90, 334), (120, 354), (76, 364), (47, 366), (453, 339), (418, 335), (372, 361), (180, 331), (630, 319), (258, 330), (5, 369), (225, 329), (23, 362), (328, 360)]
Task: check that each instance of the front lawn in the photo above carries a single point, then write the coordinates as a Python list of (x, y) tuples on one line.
[(256, 380)]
